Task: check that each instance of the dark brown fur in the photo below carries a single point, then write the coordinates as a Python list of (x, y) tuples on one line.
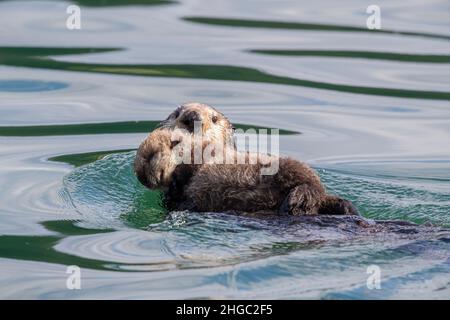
[(295, 189), (240, 188)]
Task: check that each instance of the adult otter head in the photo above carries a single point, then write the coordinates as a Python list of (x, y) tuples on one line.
[(156, 160), (211, 124)]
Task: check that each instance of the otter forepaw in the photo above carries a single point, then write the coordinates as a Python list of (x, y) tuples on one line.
[(302, 200), (338, 206), (349, 208)]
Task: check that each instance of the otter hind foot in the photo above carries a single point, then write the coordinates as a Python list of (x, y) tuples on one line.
[(301, 200), (333, 205)]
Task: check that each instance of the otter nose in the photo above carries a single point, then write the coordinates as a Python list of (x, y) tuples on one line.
[(141, 162), (139, 169), (189, 119)]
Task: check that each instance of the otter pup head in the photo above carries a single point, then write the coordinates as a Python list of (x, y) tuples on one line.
[(212, 124), (156, 159)]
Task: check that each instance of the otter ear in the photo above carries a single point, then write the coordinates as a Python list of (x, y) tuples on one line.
[(175, 113), (171, 116)]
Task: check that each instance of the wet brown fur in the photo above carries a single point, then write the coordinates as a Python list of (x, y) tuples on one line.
[(239, 188)]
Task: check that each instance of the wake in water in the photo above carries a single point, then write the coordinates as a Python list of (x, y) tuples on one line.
[(108, 193)]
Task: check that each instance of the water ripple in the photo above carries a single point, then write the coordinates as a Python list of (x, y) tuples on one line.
[(30, 85)]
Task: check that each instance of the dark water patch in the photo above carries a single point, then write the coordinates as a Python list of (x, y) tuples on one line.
[(79, 129), (103, 128), (41, 248), (391, 56), (80, 159), (70, 228), (232, 73), (213, 72), (266, 24), (30, 85)]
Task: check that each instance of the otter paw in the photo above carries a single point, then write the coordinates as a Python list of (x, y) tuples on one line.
[(336, 206), (302, 200), (348, 208)]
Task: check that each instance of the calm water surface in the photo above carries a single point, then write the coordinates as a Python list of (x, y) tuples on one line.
[(372, 108)]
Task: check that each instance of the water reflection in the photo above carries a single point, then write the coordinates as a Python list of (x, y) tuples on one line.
[(30, 85), (267, 24), (212, 72)]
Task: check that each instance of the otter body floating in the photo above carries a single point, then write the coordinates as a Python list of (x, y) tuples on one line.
[(294, 189)]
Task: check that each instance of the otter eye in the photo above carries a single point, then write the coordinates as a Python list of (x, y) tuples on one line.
[(214, 119), (174, 143)]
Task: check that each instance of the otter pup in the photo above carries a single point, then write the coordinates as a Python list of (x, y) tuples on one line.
[(295, 189)]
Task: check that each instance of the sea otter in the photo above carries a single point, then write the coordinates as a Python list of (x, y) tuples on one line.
[(295, 189)]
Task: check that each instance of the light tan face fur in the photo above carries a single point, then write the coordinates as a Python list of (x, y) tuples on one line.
[(215, 127)]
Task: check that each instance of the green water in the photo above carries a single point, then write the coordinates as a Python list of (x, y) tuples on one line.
[(26, 58)]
